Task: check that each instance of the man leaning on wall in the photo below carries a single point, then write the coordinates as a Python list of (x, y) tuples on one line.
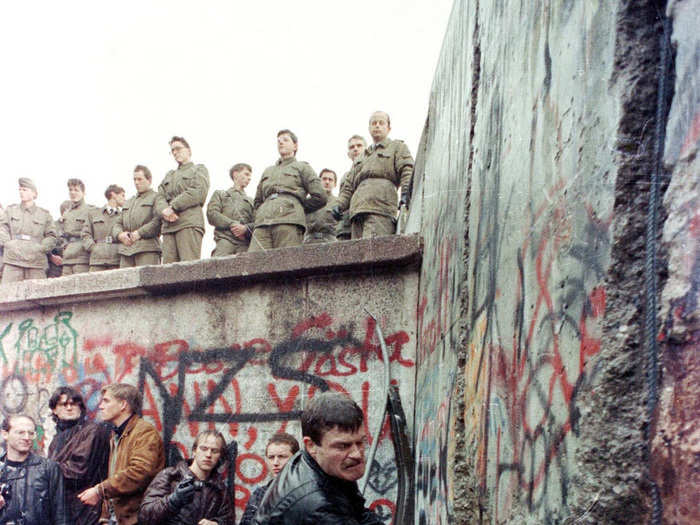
[(136, 455)]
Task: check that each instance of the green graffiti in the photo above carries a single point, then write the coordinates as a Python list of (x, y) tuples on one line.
[(2, 347), (56, 343)]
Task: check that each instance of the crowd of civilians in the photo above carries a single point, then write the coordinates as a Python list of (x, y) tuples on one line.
[(113, 471), (292, 205)]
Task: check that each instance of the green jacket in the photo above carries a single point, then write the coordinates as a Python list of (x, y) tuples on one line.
[(139, 214), (322, 221), (287, 191), (344, 224), (98, 239), (72, 224), (27, 236), (185, 191), (229, 207), (374, 177)]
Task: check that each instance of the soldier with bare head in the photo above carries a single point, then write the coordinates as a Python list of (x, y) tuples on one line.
[(75, 258), (97, 232), (231, 213), (137, 228), (356, 148), (370, 194)]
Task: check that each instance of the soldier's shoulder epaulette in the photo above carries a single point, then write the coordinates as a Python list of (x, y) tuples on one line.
[(47, 212), (14, 206), (304, 162)]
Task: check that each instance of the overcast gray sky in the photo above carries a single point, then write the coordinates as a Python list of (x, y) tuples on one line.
[(92, 88)]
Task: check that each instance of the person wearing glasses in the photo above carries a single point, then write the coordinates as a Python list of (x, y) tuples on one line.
[(31, 487), (81, 449), (181, 197)]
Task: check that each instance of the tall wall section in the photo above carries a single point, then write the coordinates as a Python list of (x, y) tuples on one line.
[(237, 344), (531, 191)]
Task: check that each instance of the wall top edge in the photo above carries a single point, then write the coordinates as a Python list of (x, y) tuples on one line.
[(360, 256)]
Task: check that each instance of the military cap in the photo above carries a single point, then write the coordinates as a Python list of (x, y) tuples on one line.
[(25, 182)]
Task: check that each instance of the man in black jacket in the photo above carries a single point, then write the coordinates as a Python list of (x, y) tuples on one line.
[(81, 449), (319, 484), (192, 492), (31, 487)]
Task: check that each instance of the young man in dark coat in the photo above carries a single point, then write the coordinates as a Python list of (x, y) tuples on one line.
[(280, 448), (81, 449), (319, 484), (191, 491)]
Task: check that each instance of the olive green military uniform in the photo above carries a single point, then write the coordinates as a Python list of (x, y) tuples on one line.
[(286, 191), (225, 209), (27, 235), (98, 239), (320, 224), (139, 214), (76, 259), (185, 191), (343, 230), (370, 191)]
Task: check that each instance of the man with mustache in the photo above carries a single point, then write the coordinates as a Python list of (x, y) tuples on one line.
[(319, 484)]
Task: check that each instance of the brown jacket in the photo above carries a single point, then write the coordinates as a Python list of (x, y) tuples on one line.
[(139, 457), (211, 502), (82, 452)]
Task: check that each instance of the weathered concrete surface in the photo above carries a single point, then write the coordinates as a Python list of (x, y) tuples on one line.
[(530, 372), (243, 352), (676, 435)]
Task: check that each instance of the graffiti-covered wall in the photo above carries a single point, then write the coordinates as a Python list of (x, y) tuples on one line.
[(243, 359), (532, 191), (676, 447)]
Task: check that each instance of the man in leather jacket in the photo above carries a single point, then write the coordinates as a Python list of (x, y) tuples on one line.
[(191, 492), (319, 484), (279, 450), (31, 487), (81, 449)]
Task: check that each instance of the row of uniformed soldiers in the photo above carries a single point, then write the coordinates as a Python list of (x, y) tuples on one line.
[(291, 205)]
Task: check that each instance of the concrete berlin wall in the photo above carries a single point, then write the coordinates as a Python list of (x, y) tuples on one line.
[(532, 193), (239, 344)]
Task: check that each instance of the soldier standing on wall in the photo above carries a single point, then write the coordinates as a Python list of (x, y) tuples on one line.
[(75, 258), (287, 190), (320, 224), (81, 449), (27, 235), (370, 192), (356, 148), (97, 232), (181, 197), (231, 214), (138, 225)]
